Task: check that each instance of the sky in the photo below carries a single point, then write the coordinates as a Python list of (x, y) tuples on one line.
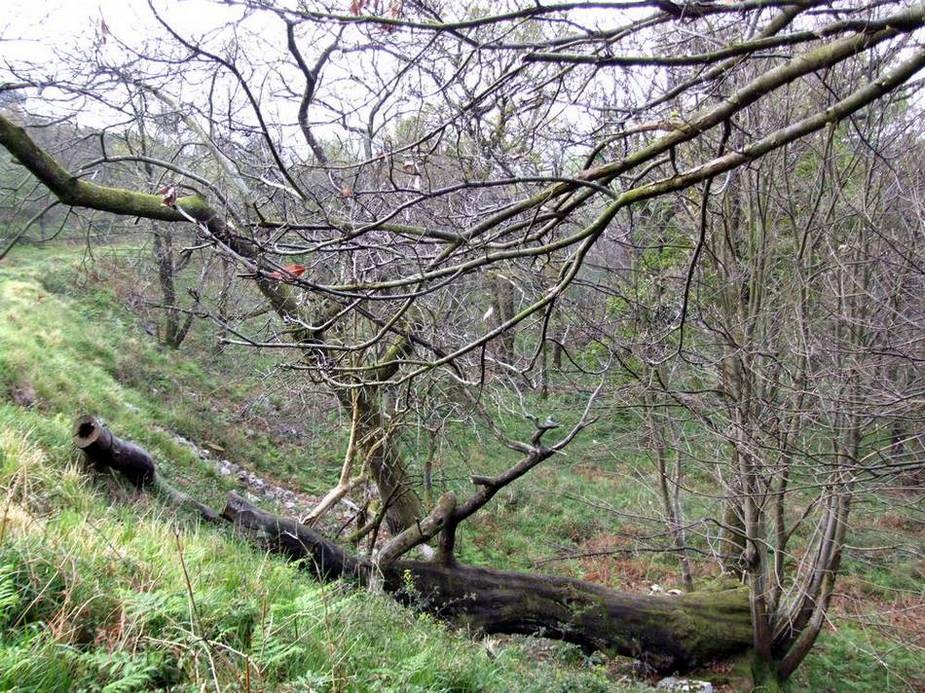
[(31, 30), (46, 23), (35, 31)]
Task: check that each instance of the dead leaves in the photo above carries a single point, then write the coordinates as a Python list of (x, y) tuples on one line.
[(168, 195), (375, 8), (288, 273)]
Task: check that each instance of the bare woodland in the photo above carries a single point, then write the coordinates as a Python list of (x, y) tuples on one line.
[(708, 214)]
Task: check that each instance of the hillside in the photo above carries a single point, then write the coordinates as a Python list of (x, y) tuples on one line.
[(100, 588), (594, 331), (93, 591)]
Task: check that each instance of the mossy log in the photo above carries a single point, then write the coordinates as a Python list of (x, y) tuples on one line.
[(665, 633)]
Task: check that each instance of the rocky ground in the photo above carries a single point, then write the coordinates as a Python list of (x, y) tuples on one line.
[(262, 491)]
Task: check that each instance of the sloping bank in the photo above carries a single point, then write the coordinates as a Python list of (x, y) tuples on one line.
[(666, 633)]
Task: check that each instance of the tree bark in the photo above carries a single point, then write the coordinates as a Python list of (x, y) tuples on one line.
[(175, 328), (375, 446)]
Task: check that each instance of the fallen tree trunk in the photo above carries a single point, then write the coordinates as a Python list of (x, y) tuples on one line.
[(666, 633), (106, 451)]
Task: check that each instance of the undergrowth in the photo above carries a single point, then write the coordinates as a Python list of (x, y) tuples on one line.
[(93, 592), (102, 589)]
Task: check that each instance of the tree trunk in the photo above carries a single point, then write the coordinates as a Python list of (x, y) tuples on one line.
[(668, 486), (666, 633), (376, 447), (174, 328), (173, 331), (732, 535)]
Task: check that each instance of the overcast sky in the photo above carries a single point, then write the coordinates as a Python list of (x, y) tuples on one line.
[(31, 29), (34, 32)]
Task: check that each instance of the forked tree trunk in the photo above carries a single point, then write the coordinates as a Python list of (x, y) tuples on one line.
[(666, 633), (175, 327), (377, 448)]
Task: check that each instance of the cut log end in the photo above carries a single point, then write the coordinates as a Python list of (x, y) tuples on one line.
[(234, 505), (87, 431), (106, 451)]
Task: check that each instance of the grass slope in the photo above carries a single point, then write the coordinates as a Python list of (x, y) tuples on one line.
[(93, 593), (123, 596)]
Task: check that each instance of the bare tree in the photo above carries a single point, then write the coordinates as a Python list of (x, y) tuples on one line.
[(375, 188)]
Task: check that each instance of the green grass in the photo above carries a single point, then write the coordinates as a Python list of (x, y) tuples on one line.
[(93, 591), (857, 659), (81, 578), (93, 595)]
